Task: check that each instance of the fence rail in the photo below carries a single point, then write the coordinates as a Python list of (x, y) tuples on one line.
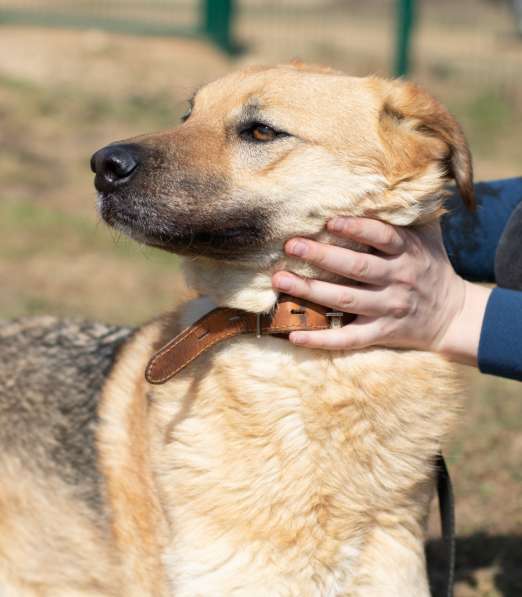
[(210, 19)]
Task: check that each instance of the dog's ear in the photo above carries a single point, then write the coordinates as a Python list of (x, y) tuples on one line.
[(418, 131)]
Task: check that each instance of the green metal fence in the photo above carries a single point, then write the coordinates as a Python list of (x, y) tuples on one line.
[(315, 30), (211, 19), (406, 12)]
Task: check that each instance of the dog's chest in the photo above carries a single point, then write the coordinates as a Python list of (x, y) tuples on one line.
[(272, 461)]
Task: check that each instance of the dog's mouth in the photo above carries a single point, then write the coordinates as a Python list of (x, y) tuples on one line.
[(231, 234)]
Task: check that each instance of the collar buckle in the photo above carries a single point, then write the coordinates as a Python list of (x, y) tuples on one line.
[(335, 318)]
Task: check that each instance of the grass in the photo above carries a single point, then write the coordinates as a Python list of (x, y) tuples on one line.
[(64, 264), (70, 102), (51, 231), (488, 116)]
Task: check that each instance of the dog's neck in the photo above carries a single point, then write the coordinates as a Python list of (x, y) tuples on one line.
[(250, 289), (231, 286)]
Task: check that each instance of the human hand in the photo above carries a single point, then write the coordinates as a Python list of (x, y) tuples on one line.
[(409, 296)]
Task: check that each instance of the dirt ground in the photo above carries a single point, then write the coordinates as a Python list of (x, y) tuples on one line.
[(65, 93)]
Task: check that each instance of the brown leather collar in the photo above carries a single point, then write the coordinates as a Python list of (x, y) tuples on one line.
[(289, 315)]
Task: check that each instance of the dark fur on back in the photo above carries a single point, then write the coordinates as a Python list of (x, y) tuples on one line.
[(51, 375)]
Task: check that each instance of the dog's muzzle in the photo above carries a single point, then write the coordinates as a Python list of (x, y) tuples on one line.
[(114, 166)]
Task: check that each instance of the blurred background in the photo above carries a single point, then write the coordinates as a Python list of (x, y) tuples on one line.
[(75, 75)]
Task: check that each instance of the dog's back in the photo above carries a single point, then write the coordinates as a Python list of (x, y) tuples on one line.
[(52, 372)]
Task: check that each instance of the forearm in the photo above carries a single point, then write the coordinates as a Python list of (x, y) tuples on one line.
[(486, 246), (461, 340), (486, 332)]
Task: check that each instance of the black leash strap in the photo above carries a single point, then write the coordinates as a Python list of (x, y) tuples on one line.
[(447, 521)]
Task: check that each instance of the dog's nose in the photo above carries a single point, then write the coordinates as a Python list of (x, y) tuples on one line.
[(114, 165)]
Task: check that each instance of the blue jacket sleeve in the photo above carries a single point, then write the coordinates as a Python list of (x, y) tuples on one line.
[(486, 246), (471, 239), (500, 347)]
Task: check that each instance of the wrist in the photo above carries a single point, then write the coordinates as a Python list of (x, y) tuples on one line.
[(461, 340)]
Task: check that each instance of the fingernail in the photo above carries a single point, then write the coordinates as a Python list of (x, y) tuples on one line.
[(297, 247), (297, 338), (339, 224), (283, 282), (336, 225)]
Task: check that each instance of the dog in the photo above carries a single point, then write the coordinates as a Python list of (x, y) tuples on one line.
[(261, 469)]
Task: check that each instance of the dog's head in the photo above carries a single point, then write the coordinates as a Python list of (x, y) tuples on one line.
[(264, 154)]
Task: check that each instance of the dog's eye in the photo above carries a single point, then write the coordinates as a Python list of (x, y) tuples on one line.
[(261, 133), (185, 116)]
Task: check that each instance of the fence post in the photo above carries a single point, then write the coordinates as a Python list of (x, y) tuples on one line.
[(405, 23), (217, 23)]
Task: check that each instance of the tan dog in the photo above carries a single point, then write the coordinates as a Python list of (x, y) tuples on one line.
[(262, 468)]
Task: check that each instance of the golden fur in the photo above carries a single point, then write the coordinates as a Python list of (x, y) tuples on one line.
[(263, 468)]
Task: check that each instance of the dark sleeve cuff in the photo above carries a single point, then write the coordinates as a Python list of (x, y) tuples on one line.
[(500, 347)]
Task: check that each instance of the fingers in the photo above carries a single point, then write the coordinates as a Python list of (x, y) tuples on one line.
[(362, 267), (381, 236), (371, 301), (354, 336)]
